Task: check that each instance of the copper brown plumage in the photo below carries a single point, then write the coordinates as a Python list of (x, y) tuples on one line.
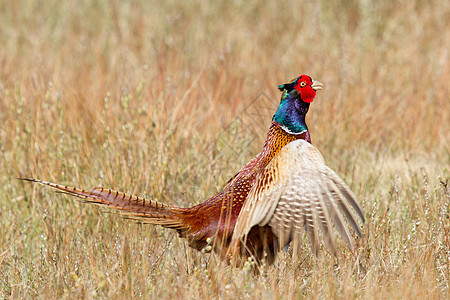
[(284, 190)]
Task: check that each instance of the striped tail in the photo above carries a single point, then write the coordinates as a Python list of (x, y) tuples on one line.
[(147, 211)]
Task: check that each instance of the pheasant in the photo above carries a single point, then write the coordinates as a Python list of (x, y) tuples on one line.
[(281, 193)]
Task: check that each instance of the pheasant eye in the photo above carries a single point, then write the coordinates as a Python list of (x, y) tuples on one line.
[(303, 84)]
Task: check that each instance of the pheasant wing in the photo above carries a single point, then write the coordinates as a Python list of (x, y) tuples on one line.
[(296, 192)]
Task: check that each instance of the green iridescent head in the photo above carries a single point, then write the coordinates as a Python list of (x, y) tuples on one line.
[(294, 104)]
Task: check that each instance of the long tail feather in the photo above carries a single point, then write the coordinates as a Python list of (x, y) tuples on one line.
[(148, 211)]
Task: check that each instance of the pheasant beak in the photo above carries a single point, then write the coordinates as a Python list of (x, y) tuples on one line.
[(316, 85)]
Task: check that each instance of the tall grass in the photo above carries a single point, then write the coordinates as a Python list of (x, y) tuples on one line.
[(170, 99)]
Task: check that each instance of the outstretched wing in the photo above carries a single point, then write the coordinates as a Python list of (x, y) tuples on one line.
[(296, 192)]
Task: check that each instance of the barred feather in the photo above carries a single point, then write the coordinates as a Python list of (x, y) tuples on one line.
[(296, 192), (149, 211)]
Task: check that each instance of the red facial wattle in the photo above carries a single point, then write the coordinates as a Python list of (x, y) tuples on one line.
[(304, 85), (307, 94)]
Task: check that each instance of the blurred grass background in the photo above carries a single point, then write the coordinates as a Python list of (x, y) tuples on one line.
[(169, 99)]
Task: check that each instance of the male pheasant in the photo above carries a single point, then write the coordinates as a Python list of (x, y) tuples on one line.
[(285, 190)]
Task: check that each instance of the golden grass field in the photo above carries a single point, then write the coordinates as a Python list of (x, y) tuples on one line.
[(169, 99)]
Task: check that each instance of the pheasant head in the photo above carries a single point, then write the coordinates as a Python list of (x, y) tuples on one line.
[(294, 104)]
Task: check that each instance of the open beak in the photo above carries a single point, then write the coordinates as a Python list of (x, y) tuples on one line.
[(316, 85)]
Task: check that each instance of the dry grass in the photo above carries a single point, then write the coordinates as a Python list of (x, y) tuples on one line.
[(169, 99)]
